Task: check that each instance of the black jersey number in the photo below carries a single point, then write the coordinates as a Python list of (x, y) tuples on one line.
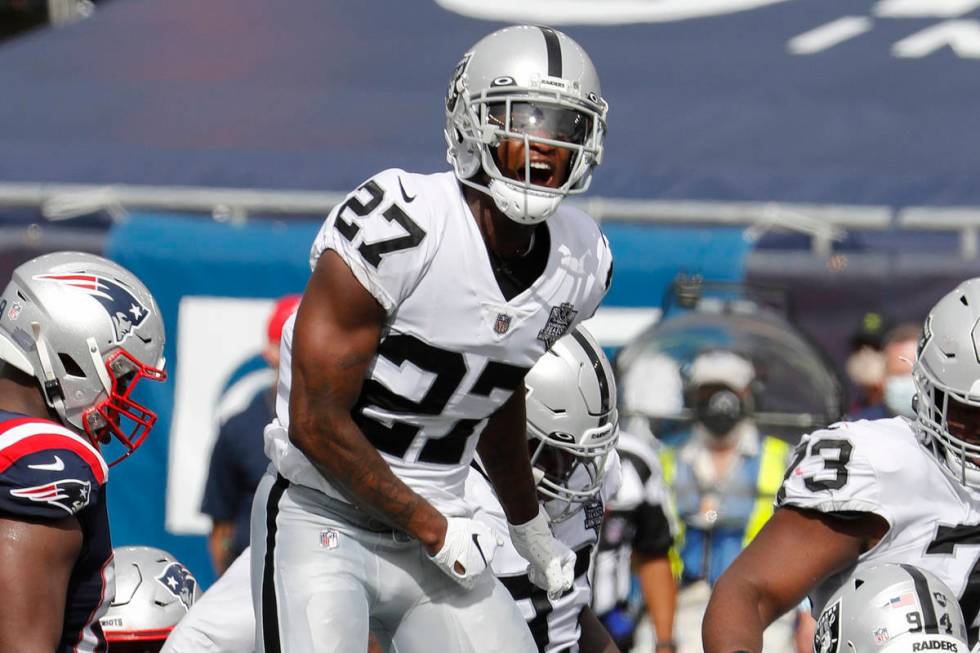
[(448, 368), (836, 453), (946, 540), (372, 252)]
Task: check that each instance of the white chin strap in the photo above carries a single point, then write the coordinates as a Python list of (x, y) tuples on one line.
[(48, 378), (522, 205)]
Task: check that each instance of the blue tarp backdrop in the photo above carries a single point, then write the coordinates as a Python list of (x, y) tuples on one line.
[(834, 101)]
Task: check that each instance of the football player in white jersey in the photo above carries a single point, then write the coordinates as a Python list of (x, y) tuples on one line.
[(431, 297), (572, 426), (869, 492)]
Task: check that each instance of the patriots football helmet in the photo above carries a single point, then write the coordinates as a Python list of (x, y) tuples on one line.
[(536, 86), (88, 330), (891, 608), (946, 374), (153, 592), (572, 421)]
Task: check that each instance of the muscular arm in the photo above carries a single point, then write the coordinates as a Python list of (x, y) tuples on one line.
[(595, 638), (503, 451), (37, 560), (659, 593), (337, 331), (793, 552)]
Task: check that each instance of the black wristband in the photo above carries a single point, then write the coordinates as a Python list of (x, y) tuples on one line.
[(669, 644)]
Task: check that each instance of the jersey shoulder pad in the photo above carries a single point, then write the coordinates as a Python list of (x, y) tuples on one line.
[(853, 467), (585, 252), (46, 470), (385, 232)]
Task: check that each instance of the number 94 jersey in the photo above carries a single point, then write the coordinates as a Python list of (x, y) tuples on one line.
[(454, 347), (879, 466)]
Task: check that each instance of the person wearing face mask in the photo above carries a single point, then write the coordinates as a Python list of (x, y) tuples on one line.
[(897, 387), (723, 478)]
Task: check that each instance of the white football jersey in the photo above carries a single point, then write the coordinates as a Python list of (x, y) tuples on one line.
[(553, 623), (454, 348), (879, 466)]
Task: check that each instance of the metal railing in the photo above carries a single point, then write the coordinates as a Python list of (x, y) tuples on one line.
[(823, 223)]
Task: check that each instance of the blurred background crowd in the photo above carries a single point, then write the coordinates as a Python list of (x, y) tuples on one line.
[(787, 189)]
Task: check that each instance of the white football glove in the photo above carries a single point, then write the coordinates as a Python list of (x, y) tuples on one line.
[(552, 564), (470, 545)]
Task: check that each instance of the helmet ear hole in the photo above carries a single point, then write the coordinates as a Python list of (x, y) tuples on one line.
[(71, 367)]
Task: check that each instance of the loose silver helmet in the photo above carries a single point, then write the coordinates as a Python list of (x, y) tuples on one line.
[(88, 330), (572, 421), (947, 382), (153, 592), (530, 84), (891, 609)]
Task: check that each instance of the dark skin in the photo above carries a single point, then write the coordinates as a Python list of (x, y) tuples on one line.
[(794, 551), (338, 328), (594, 638), (38, 557)]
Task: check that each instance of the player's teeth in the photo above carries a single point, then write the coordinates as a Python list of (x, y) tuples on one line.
[(540, 165)]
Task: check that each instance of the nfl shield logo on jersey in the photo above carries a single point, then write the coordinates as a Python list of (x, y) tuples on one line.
[(329, 539), (826, 639), (558, 322), (502, 323)]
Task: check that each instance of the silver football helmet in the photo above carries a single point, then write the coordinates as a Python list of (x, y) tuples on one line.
[(88, 330), (153, 592), (891, 608), (947, 381), (572, 421), (533, 85)]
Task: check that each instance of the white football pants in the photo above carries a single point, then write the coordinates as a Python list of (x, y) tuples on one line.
[(319, 584)]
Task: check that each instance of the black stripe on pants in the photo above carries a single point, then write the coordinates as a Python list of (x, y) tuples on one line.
[(270, 610)]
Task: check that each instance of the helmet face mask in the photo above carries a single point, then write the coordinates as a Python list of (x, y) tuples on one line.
[(118, 415), (87, 330), (529, 96), (946, 374), (572, 422)]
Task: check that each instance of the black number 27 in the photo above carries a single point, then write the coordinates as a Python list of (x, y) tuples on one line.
[(372, 252)]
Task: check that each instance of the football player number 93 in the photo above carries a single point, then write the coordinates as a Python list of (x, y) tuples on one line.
[(836, 453)]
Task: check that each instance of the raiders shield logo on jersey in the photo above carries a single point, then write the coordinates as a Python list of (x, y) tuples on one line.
[(558, 322), (827, 637)]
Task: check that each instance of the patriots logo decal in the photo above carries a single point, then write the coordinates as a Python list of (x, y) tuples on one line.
[(71, 495), (179, 582), (125, 310)]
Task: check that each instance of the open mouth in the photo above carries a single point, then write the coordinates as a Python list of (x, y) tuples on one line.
[(542, 173)]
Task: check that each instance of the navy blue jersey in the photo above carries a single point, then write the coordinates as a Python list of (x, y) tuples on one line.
[(48, 472), (238, 462)]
